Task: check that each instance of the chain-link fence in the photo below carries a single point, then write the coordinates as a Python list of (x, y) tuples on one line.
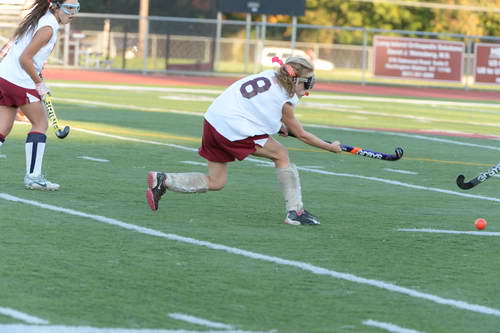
[(219, 47)]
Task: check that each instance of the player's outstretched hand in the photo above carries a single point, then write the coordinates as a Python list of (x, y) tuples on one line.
[(335, 147)]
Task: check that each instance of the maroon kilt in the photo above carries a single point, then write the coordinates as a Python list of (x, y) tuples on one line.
[(216, 148)]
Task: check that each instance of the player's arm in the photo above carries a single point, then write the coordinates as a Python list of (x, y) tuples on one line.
[(294, 126), (40, 39)]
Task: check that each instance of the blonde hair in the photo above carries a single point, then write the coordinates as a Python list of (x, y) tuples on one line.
[(301, 68)]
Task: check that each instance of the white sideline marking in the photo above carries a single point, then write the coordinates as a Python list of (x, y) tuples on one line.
[(189, 98), (405, 101), (313, 167), (3, 156), (134, 139), (195, 163), (93, 159), (314, 96), (297, 264), (22, 316), (266, 163), (126, 106), (415, 136), (401, 171), (87, 329), (136, 88), (438, 231), (394, 182), (405, 116), (198, 321), (406, 135), (389, 327)]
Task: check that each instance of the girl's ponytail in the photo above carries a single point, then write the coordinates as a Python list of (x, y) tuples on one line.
[(37, 10)]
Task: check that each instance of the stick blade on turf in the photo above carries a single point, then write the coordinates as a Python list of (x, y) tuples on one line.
[(462, 185)]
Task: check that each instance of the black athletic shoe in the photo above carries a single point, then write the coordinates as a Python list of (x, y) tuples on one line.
[(156, 188), (301, 217)]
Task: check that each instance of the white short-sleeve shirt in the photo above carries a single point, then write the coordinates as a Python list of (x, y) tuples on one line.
[(10, 68), (250, 106)]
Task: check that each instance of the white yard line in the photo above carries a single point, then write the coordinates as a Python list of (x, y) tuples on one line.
[(389, 327), (257, 256), (313, 166), (87, 329), (313, 96), (195, 163), (323, 172), (136, 88), (3, 156), (189, 98), (456, 232), (401, 171), (127, 106), (406, 135), (93, 159), (119, 137), (404, 116), (398, 183), (425, 102), (21, 316), (200, 114), (199, 321)]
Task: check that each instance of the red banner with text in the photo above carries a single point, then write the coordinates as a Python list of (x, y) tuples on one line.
[(418, 58), (487, 63)]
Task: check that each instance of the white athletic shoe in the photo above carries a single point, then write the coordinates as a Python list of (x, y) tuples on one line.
[(39, 183)]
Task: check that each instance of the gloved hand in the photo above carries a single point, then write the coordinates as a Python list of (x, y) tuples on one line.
[(42, 89)]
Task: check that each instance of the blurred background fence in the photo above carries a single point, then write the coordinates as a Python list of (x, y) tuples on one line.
[(229, 47)]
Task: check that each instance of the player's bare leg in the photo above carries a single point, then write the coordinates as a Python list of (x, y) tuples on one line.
[(289, 180), (7, 116), (191, 182)]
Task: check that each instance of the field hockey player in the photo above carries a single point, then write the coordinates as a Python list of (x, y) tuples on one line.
[(240, 123), (22, 86)]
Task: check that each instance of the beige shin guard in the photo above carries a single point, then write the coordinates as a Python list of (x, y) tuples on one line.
[(192, 182), (290, 186)]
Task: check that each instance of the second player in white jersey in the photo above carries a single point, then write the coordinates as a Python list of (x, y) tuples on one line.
[(21, 84)]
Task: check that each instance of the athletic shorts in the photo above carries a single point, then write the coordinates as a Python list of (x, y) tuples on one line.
[(16, 96), (216, 148)]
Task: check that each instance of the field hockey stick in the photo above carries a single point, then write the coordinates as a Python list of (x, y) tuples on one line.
[(49, 107), (479, 179), (369, 153)]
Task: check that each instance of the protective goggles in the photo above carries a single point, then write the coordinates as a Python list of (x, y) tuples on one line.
[(308, 82), (70, 8)]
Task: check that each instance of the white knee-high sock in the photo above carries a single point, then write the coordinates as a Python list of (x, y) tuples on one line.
[(35, 149), (190, 182), (290, 186)]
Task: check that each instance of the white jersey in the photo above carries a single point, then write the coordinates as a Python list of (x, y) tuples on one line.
[(250, 106), (10, 68)]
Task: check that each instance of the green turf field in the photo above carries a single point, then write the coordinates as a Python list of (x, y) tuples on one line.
[(92, 256)]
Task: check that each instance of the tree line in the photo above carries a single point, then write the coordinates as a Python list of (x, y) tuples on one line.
[(343, 13)]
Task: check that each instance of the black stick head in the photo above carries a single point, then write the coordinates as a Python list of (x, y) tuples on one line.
[(61, 134), (399, 153), (462, 185), (397, 156)]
